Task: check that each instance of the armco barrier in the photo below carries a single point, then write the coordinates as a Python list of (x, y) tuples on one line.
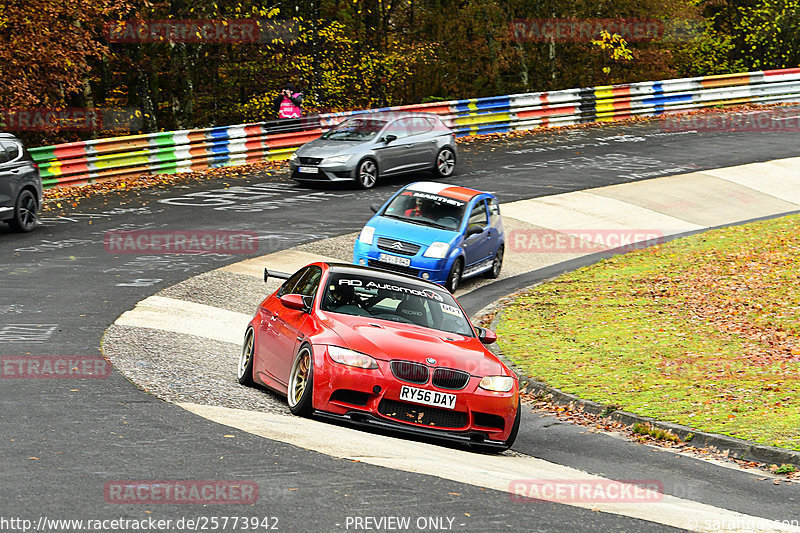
[(189, 150)]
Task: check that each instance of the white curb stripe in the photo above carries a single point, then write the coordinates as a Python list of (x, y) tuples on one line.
[(188, 318), (775, 178), (286, 261), (490, 471), (582, 210)]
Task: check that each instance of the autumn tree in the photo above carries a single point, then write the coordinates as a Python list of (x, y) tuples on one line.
[(50, 51)]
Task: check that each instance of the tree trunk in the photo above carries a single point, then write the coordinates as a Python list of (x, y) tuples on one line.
[(182, 87)]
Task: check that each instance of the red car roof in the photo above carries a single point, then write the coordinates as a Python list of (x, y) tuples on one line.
[(456, 192)]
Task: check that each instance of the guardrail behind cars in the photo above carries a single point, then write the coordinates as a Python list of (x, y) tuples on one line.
[(191, 150)]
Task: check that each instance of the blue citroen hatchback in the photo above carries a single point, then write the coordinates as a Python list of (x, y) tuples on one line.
[(435, 231)]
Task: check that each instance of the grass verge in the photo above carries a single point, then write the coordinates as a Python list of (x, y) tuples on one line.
[(702, 331)]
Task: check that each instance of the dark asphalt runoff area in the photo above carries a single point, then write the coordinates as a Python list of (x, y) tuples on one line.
[(64, 440)]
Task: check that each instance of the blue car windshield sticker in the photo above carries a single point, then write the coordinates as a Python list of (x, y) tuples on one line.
[(439, 199), (427, 209), (373, 297)]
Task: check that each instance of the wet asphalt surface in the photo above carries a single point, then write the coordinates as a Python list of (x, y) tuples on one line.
[(63, 440)]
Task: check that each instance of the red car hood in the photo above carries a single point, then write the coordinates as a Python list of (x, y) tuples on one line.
[(393, 340)]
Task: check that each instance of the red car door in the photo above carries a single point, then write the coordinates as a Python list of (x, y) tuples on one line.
[(288, 325), (266, 336)]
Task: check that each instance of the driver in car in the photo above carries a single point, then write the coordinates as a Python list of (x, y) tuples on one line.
[(417, 210), (341, 297)]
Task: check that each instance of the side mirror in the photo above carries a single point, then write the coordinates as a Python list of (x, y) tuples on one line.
[(293, 301), (266, 275), (474, 230), (390, 138), (375, 208), (486, 336)]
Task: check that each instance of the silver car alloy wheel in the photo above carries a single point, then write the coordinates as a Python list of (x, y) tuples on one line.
[(367, 173), (24, 212), (446, 162)]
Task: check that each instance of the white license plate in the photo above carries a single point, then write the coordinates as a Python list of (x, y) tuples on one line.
[(393, 259), (309, 170), (428, 397)]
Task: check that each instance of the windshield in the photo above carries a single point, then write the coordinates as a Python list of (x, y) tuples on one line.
[(427, 209), (355, 129), (370, 296)]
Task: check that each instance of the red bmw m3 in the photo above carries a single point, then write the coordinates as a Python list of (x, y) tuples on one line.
[(381, 349)]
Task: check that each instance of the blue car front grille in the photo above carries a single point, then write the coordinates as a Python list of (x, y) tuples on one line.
[(398, 247)]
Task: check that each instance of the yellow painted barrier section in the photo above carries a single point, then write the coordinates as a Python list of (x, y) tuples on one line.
[(114, 160), (50, 169), (281, 154), (487, 118), (604, 91)]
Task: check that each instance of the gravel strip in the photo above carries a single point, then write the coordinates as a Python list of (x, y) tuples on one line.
[(185, 368), (226, 290), (339, 248)]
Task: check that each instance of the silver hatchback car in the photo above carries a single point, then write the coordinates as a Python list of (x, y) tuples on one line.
[(367, 146)]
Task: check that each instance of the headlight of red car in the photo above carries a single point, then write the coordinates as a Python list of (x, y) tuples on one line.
[(497, 383), (351, 358)]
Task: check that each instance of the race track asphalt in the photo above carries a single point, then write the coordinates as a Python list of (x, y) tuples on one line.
[(65, 439)]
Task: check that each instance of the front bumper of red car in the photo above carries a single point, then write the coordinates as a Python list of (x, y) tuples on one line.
[(372, 397)]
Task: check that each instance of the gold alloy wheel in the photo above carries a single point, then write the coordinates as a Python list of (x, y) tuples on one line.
[(299, 377)]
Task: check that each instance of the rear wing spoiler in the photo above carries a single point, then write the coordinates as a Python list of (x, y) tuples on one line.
[(275, 274)]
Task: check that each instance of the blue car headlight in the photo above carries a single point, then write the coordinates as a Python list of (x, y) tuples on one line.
[(437, 250), (367, 234)]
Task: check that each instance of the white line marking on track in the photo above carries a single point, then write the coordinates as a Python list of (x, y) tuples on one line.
[(189, 318), (491, 471)]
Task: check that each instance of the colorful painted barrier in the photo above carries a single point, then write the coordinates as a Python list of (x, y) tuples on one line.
[(192, 150)]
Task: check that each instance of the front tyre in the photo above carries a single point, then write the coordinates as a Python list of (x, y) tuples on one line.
[(24, 212), (515, 428), (445, 162), (497, 264), (301, 383), (367, 173), (508, 442), (244, 370), (454, 278)]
